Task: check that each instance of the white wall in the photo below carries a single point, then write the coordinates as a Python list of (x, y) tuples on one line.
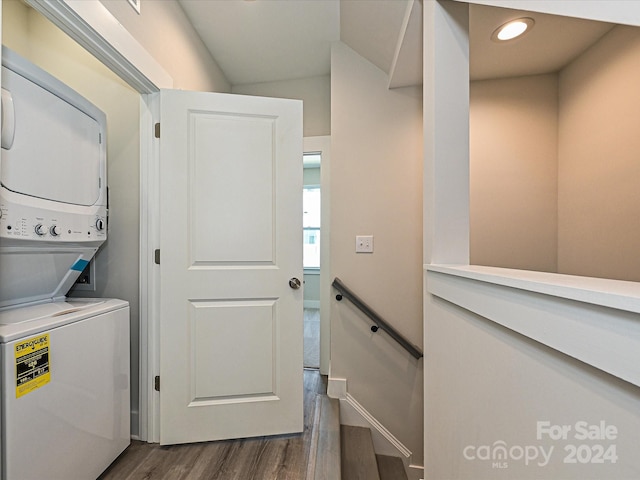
[(487, 384), (599, 167), (163, 29), (376, 172), (315, 92), (513, 127)]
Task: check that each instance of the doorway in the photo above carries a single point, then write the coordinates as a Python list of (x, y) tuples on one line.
[(311, 224), (317, 294)]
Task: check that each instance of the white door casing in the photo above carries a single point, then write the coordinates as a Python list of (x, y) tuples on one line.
[(231, 238)]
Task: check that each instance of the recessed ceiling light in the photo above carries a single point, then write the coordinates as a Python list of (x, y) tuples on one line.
[(512, 29)]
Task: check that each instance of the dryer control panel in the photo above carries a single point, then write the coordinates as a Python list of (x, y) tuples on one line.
[(22, 222)]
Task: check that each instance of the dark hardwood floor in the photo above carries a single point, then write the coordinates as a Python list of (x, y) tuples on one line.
[(282, 457)]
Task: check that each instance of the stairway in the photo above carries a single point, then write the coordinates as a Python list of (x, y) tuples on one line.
[(341, 452)]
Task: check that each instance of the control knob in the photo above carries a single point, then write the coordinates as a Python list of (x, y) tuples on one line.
[(99, 224), (54, 230), (40, 230)]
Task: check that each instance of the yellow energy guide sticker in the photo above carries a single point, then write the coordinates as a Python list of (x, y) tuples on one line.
[(32, 364)]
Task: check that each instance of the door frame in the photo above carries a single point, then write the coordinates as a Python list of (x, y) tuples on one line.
[(90, 24)]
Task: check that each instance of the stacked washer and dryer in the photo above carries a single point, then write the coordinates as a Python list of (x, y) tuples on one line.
[(64, 362)]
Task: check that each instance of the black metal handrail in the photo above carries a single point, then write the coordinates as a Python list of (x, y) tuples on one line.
[(377, 319)]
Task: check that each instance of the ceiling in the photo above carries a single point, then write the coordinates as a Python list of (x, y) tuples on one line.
[(256, 41), (552, 43), (267, 40)]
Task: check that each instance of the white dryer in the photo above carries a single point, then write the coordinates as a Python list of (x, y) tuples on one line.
[(64, 403), (53, 184)]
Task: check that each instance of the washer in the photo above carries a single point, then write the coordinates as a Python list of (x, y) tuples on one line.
[(65, 388)]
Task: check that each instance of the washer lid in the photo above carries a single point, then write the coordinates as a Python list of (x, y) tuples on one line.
[(39, 273), (34, 319)]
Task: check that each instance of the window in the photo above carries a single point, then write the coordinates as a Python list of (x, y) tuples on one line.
[(311, 225)]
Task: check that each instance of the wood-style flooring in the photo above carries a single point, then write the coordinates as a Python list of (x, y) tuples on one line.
[(312, 338), (283, 457)]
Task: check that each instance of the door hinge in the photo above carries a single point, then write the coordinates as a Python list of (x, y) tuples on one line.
[(156, 256), (156, 383), (157, 130)]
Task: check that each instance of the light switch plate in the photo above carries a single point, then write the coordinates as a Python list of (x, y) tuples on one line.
[(364, 244)]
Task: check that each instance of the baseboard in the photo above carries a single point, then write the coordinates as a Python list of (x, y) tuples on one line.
[(337, 387), (384, 442), (311, 304)]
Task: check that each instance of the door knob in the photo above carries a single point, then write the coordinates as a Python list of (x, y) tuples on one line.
[(294, 283)]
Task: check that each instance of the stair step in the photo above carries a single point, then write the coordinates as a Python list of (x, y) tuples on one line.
[(358, 458), (324, 461), (391, 468)]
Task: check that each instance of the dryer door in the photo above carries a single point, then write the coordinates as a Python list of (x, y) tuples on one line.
[(56, 148)]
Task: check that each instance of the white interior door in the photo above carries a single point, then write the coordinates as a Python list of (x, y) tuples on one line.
[(231, 239)]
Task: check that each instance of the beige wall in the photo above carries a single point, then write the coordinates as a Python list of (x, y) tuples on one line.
[(116, 264), (376, 189), (599, 160), (555, 176), (315, 92), (513, 168), (163, 29)]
